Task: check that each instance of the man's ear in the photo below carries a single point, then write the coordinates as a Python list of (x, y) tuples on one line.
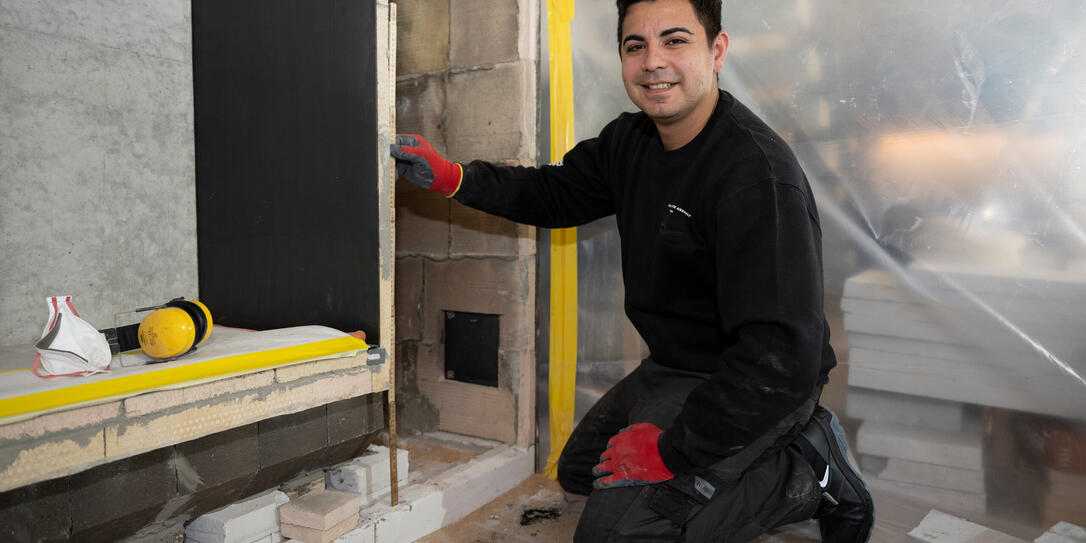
[(720, 50)]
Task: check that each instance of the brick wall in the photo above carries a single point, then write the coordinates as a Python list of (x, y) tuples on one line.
[(467, 82)]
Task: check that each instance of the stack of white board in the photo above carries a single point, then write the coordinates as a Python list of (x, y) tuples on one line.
[(1013, 341), (930, 450)]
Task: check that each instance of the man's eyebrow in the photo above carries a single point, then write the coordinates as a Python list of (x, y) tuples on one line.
[(674, 30), (632, 37)]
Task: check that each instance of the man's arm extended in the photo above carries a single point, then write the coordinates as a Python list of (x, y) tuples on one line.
[(554, 196)]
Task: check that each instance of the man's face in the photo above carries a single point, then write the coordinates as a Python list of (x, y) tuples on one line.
[(668, 66)]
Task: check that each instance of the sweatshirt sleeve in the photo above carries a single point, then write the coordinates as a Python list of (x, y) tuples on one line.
[(571, 193), (769, 294)]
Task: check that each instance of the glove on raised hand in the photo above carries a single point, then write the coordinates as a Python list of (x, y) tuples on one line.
[(632, 458), (419, 163)]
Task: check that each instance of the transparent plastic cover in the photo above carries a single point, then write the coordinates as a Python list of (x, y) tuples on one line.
[(946, 145)]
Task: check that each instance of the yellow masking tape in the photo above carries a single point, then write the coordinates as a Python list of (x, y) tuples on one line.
[(563, 307), (133, 384)]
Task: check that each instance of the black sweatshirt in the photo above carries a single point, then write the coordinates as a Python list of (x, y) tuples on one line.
[(721, 258)]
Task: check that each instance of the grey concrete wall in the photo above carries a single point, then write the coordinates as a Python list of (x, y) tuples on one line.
[(97, 182)]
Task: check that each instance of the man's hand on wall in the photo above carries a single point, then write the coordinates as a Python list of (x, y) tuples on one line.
[(632, 458), (418, 162)]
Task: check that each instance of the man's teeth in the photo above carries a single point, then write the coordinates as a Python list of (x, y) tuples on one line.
[(658, 86)]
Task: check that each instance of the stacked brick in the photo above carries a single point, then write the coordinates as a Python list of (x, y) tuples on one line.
[(957, 409), (367, 476), (319, 517), (254, 520)]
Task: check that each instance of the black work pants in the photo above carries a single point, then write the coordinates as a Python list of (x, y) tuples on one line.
[(767, 484)]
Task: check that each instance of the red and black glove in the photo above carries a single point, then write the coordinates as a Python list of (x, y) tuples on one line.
[(419, 163), (632, 458)]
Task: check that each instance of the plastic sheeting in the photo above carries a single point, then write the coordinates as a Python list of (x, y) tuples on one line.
[(945, 142)]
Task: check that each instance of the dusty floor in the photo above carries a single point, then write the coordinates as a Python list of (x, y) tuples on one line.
[(504, 520), (525, 514)]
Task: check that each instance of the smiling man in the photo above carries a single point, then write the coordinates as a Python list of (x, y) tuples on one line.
[(718, 435)]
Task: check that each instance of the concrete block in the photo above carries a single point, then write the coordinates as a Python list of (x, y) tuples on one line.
[(242, 522), (310, 535), (964, 480), (459, 405), (355, 417), (368, 475), (116, 497), (149, 433), (881, 406), (1069, 486), (320, 511), (364, 534), (958, 450), (215, 459), (168, 399), (422, 222), (453, 495), (379, 380), (409, 287), (289, 436), (39, 512), (22, 464), (976, 386), (303, 484), (968, 503), (925, 349), (270, 477), (420, 109), (1056, 513), (59, 422), (939, 527), (1063, 532), (525, 400), (422, 36), (424, 513), (486, 477), (474, 233), (492, 286), (872, 464), (489, 117), (308, 369), (527, 235), (483, 32)]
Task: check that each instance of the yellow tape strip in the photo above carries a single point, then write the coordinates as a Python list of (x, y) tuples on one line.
[(132, 384), (563, 310)]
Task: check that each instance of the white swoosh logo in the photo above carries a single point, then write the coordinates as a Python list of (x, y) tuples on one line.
[(825, 478)]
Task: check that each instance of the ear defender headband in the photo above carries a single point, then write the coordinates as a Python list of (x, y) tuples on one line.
[(171, 330)]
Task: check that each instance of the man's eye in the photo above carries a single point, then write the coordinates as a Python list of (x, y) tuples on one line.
[(634, 47), (675, 41)]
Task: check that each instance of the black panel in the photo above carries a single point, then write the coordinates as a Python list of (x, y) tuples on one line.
[(471, 347), (286, 162)]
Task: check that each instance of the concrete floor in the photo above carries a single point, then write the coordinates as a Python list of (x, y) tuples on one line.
[(510, 518), (503, 520)]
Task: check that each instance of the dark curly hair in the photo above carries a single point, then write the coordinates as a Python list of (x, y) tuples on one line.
[(707, 11)]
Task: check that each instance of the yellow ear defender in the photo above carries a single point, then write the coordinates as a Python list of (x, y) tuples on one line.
[(171, 330)]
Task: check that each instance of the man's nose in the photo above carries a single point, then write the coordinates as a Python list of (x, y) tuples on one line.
[(654, 58)]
